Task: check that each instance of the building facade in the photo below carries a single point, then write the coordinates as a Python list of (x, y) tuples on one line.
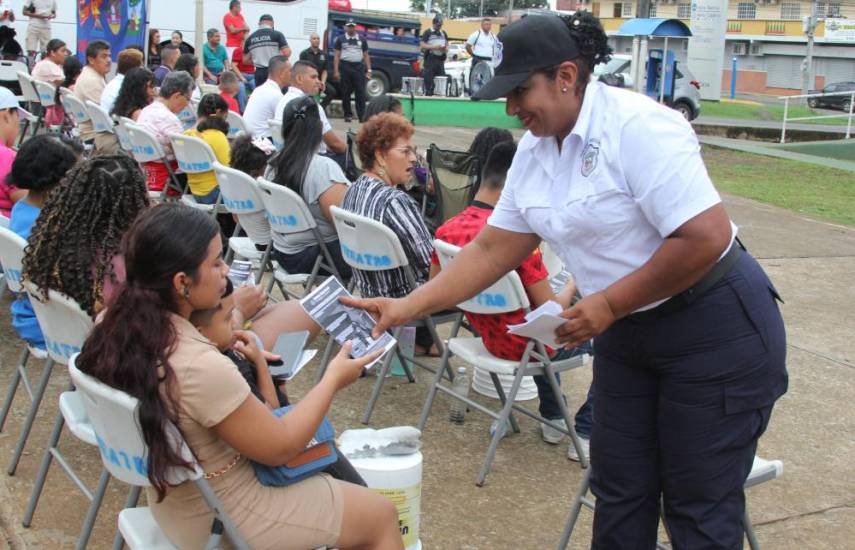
[(766, 37)]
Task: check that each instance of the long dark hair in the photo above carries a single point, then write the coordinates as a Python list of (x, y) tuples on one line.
[(81, 226), (212, 113), (133, 94), (71, 68), (302, 135), (137, 337)]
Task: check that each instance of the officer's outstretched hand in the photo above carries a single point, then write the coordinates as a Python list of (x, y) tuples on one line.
[(387, 312), (588, 318)]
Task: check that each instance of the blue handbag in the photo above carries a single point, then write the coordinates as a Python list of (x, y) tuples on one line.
[(318, 454)]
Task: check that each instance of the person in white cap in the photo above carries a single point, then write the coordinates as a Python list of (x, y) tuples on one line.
[(9, 125)]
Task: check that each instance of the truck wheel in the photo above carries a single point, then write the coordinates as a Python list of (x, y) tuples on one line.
[(847, 105), (813, 103), (377, 86)]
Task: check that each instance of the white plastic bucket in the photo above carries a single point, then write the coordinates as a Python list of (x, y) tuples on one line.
[(398, 478), (483, 384), (440, 86)]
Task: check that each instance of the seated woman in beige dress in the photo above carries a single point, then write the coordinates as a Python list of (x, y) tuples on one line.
[(146, 346)]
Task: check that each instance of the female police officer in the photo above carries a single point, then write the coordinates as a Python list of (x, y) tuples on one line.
[(690, 345)]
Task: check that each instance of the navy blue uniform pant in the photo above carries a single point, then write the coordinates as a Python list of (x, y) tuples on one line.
[(434, 67), (352, 82), (681, 401)]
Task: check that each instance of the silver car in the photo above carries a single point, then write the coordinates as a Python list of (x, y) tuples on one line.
[(687, 96)]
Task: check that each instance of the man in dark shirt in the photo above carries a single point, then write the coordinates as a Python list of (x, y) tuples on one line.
[(316, 56), (351, 68), (168, 56), (262, 45), (434, 44)]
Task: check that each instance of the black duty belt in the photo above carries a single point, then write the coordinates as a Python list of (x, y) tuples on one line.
[(685, 298)]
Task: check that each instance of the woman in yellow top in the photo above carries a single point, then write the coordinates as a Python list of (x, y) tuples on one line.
[(212, 128)]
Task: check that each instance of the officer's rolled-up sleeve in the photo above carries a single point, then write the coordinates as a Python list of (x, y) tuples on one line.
[(507, 214), (662, 165)]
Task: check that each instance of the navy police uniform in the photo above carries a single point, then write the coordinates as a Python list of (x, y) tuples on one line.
[(352, 69), (683, 387), (434, 62)]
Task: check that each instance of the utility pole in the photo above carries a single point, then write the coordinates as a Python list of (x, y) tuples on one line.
[(809, 26), (642, 8), (511, 12), (481, 10)]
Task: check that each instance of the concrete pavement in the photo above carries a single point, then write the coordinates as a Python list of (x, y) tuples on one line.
[(525, 501)]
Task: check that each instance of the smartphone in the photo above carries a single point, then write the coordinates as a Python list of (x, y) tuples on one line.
[(289, 346)]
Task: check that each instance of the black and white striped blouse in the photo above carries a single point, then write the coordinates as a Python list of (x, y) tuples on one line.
[(396, 210)]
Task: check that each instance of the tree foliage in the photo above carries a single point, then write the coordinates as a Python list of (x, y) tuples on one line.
[(471, 8)]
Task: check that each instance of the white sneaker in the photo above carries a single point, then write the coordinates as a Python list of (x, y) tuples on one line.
[(550, 434), (571, 450)]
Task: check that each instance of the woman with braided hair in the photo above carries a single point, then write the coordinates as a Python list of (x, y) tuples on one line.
[(75, 246), (689, 345)]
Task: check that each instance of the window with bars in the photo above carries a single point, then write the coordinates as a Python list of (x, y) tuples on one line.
[(684, 11), (791, 10), (622, 10), (828, 9), (627, 9), (652, 10), (746, 10)]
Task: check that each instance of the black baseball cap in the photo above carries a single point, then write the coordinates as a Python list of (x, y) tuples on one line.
[(437, 19), (265, 17), (350, 23), (525, 46)]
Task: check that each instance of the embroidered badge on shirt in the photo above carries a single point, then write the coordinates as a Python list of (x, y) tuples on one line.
[(589, 157)]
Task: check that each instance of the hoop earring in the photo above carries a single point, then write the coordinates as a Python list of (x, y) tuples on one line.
[(381, 172)]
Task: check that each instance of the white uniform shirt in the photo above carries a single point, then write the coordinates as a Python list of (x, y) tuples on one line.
[(42, 7), (261, 107), (627, 176), (482, 43), (111, 92), (295, 93)]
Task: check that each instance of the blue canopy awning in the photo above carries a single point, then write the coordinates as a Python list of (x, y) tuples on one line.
[(654, 27)]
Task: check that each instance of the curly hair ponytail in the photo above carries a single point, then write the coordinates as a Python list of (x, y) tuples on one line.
[(592, 42), (81, 226)]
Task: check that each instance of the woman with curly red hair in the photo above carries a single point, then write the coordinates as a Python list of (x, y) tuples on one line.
[(388, 156)]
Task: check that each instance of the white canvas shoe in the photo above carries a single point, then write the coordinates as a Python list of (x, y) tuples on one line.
[(571, 450)]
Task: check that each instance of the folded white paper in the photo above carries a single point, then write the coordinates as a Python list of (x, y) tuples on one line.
[(541, 324)]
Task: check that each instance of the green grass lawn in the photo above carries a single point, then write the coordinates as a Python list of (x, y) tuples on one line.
[(764, 112), (805, 188)]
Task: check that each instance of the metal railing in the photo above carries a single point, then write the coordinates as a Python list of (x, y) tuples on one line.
[(787, 99)]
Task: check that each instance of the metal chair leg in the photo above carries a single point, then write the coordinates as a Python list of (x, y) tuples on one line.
[(131, 502), (503, 417), (578, 500), (503, 399), (13, 386), (381, 378), (446, 356), (753, 543), (92, 513), (31, 417), (41, 477), (565, 413)]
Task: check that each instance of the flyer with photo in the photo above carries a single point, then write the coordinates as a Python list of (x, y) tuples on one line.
[(344, 322)]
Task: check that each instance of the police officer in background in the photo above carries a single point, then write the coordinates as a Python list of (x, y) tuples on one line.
[(480, 43), (351, 68), (434, 43), (689, 344), (316, 56)]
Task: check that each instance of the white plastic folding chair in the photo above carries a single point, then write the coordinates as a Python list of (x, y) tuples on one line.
[(101, 121), (146, 148), (236, 124), (123, 135), (505, 296), (65, 326), (762, 470), (114, 416), (30, 95), (194, 156), (241, 197), (276, 133), (11, 258), (361, 239), (288, 213), (9, 72)]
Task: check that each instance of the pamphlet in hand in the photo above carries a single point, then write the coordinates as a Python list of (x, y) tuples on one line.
[(240, 273), (344, 322), (541, 324)]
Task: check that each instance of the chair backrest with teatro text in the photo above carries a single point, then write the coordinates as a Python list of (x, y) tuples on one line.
[(194, 155), (242, 197), (101, 121), (45, 91), (72, 105), (236, 124), (12, 248), (367, 244), (144, 146), (122, 134), (287, 212), (505, 295), (28, 89), (64, 324)]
